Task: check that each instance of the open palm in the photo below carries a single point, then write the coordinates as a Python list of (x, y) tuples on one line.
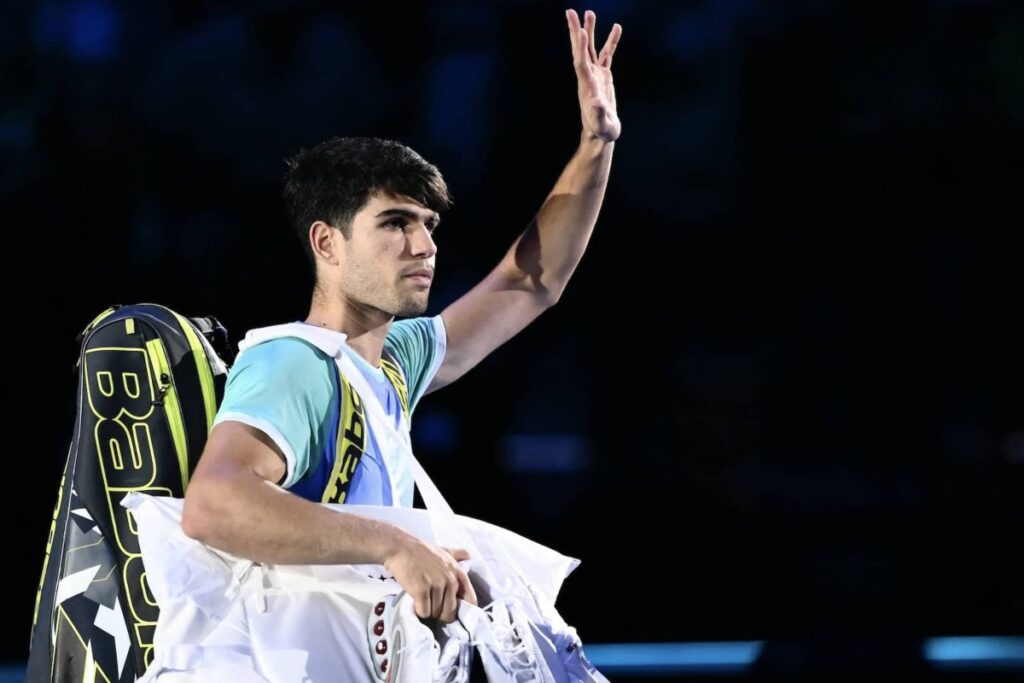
[(594, 76)]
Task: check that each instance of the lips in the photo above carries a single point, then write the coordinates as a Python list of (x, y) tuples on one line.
[(423, 275)]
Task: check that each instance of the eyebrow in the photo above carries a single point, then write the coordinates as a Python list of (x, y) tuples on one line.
[(412, 215)]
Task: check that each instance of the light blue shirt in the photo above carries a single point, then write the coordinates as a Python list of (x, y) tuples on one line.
[(288, 389)]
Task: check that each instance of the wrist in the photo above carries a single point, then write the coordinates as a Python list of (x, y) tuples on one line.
[(593, 141), (393, 541)]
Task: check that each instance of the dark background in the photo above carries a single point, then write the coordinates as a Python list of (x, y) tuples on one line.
[(781, 398)]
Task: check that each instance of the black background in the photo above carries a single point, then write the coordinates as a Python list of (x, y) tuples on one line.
[(793, 353)]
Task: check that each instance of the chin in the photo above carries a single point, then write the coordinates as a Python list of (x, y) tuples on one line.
[(411, 309)]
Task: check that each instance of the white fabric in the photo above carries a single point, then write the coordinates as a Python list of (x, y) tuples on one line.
[(282, 623), (309, 623)]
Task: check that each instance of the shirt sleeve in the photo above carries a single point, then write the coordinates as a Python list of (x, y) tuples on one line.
[(418, 344), (283, 387)]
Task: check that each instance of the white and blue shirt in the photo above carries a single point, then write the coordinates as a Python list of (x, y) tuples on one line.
[(288, 389)]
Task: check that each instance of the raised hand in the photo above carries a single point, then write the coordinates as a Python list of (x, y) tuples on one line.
[(594, 76)]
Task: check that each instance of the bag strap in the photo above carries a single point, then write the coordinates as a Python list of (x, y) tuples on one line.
[(447, 527), (350, 442), (396, 376), (351, 402)]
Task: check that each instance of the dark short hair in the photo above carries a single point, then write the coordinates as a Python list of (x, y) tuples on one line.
[(333, 180)]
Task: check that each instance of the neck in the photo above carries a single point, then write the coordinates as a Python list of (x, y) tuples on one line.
[(364, 327)]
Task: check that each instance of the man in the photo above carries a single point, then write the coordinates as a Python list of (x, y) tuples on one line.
[(366, 209)]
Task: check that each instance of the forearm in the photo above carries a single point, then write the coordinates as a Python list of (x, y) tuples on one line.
[(547, 253), (244, 515)]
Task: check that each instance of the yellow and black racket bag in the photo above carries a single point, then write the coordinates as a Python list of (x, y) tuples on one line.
[(149, 383)]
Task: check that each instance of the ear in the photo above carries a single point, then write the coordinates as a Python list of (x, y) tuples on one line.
[(323, 239)]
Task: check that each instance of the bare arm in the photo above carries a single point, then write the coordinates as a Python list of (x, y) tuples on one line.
[(232, 505), (535, 270)]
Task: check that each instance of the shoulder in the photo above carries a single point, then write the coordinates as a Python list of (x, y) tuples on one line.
[(280, 380), (282, 357), (415, 330)]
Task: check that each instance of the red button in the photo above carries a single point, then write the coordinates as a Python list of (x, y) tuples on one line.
[(382, 647), (379, 609), (384, 666), (378, 628)]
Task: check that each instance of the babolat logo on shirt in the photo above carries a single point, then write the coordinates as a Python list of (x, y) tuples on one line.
[(397, 379), (351, 444)]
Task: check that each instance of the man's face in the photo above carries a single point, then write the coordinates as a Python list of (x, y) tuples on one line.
[(388, 262)]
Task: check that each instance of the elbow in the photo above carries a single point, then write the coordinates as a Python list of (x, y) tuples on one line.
[(549, 296), (546, 292), (549, 290), (197, 516)]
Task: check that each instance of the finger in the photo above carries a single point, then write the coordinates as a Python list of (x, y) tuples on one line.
[(573, 18), (437, 599), (421, 604), (451, 601), (590, 23), (584, 69), (580, 60), (574, 29), (458, 553), (466, 591), (608, 51)]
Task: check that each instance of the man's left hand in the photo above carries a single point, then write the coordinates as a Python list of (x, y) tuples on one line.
[(594, 76)]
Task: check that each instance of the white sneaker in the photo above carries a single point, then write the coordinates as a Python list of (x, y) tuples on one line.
[(505, 643), (379, 629), (402, 648), (455, 659), (405, 650)]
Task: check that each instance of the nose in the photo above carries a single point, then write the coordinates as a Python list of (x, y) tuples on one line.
[(421, 244)]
